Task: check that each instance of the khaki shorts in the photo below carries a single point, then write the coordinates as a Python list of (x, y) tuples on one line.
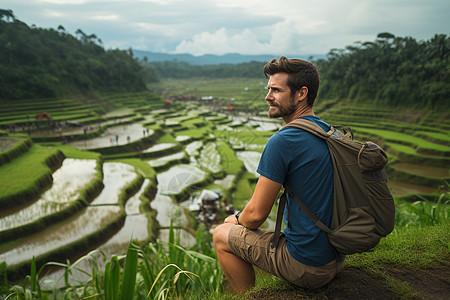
[(253, 247)]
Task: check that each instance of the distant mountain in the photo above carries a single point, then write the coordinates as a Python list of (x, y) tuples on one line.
[(208, 59)]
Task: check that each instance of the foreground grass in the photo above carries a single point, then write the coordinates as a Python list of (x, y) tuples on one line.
[(168, 271)]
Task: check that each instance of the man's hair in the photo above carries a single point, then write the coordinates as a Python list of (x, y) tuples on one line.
[(300, 73)]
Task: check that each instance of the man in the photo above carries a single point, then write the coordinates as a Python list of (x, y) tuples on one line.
[(303, 255)]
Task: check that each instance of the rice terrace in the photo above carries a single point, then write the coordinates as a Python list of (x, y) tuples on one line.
[(65, 199), (100, 190)]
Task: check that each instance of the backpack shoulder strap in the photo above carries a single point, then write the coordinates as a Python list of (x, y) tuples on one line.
[(311, 127), (307, 211)]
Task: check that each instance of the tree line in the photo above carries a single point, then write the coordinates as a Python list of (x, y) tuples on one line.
[(184, 70), (396, 71), (390, 70), (36, 62)]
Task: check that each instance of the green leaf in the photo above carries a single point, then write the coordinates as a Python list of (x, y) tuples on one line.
[(129, 273)]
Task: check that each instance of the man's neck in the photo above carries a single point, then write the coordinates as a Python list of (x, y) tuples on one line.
[(300, 112)]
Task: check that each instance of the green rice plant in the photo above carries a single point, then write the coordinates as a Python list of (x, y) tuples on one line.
[(196, 133), (244, 191), (167, 138), (407, 139), (169, 270), (129, 274), (423, 212), (30, 289), (229, 162)]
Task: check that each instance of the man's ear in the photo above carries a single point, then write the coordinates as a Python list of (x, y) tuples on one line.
[(302, 93)]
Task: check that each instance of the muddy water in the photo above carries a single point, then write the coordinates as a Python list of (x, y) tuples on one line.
[(167, 210), (182, 138), (115, 177), (178, 177), (172, 182), (402, 188), (210, 158), (68, 181), (423, 170), (161, 161), (117, 135), (226, 183), (133, 204), (84, 223), (250, 160), (193, 150), (135, 228), (159, 147)]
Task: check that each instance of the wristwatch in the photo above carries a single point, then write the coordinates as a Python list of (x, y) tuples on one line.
[(237, 216)]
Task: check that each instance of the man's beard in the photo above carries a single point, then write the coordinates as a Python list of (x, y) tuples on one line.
[(283, 111)]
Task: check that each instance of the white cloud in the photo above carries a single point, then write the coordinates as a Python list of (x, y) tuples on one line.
[(283, 37), (106, 17), (220, 42), (54, 14), (287, 27)]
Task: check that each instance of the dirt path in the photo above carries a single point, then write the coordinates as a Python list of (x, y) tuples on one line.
[(354, 283)]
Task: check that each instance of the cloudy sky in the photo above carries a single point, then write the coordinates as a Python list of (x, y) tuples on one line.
[(280, 27)]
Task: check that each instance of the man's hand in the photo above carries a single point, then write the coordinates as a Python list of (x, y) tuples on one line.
[(231, 219)]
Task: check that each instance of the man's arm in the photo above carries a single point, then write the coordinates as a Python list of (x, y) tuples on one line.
[(260, 205)]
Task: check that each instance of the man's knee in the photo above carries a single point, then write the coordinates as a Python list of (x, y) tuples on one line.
[(220, 235)]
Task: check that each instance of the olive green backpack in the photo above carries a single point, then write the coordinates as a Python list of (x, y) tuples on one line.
[(363, 208)]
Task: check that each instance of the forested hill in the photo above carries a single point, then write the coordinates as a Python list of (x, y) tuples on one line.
[(36, 62), (390, 70)]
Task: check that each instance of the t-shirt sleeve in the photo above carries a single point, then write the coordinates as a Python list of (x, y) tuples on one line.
[(274, 159)]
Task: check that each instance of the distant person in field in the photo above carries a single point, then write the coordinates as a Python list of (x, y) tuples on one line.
[(303, 256)]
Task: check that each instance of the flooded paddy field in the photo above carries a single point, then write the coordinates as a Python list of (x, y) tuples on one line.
[(250, 159), (403, 188), (116, 176), (87, 222), (113, 136), (165, 160), (425, 171), (159, 147), (178, 178), (68, 181)]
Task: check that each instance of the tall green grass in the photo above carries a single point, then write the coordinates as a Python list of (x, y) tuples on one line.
[(423, 212), (158, 270), (166, 270)]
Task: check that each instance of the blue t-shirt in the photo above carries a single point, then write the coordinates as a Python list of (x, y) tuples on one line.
[(303, 161)]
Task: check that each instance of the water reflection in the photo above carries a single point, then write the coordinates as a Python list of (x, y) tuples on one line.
[(161, 161), (86, 222), (250, 160), (68, 181), (115, 177), (132, 207), (116, 135), (210, 158), (422, 170), (179, 177), (402, 188), (159, 147)]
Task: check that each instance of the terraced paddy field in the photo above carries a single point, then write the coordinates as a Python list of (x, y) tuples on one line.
[(100, 193)]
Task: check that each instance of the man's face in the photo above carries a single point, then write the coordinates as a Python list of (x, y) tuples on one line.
[(281, 103)]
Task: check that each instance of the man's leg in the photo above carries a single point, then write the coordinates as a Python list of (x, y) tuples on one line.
[(239, 273)]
